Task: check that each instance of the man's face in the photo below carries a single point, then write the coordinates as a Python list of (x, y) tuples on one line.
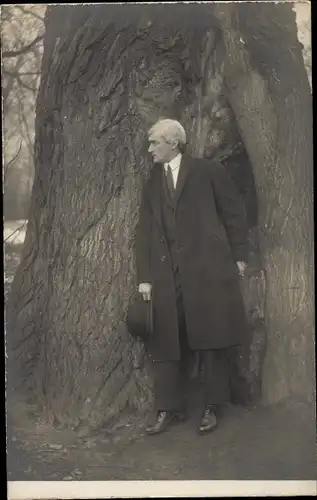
[(161, 150)]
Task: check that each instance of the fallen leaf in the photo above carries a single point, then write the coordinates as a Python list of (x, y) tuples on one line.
[(55, 446)]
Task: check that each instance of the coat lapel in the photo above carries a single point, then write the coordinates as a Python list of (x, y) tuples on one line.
[(182, 177), (155, 193), (156, 185)]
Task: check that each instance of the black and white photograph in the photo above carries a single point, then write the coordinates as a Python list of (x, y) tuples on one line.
[(158, 238)]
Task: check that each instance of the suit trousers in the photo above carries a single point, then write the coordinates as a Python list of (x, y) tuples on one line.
[(171, 377)]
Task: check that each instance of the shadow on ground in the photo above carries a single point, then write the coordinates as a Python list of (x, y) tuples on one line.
[(265, 443)]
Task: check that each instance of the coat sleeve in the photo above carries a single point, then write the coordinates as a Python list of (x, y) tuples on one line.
[(232, 211), (142, 245)]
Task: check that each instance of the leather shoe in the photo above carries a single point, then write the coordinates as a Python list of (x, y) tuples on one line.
[(163, 420), (208, 421)]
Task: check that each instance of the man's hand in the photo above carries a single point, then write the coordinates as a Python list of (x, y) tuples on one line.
[(145, 289), (241, 266)]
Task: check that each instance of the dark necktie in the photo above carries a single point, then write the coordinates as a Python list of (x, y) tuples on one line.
[(169, 179)]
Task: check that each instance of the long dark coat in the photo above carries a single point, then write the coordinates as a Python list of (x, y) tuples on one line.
[(211, 233)]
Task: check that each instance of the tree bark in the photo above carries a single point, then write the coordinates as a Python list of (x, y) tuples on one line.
[(108, 72), (268, 90)]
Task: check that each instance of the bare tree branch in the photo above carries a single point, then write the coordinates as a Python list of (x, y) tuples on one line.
[(22, 73), (27, 11), (17, 76), (16, 73), (15, 231), (7, 89), (23, 50), (37, 55), (25, 85), (6, 14), (24, 125), (11, 161)]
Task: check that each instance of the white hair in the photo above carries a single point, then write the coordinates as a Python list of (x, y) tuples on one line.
[(170, 130)]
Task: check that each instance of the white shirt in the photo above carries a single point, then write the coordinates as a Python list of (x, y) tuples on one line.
[(175, 164)]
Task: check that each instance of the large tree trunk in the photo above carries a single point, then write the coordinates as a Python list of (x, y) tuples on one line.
[(109, 72), (268, 90)]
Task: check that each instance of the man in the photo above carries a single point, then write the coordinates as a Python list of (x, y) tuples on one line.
[(190, 251)]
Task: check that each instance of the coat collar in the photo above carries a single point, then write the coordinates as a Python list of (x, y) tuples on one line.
[(155, 181), (182, 177)]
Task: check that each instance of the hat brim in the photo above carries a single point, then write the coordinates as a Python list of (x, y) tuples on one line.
[(140, 318)]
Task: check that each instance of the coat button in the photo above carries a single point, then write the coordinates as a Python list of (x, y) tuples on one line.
[(163, 258), (162, 240)]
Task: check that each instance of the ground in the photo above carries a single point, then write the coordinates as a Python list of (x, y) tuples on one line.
[(263, 443), (272, 443)]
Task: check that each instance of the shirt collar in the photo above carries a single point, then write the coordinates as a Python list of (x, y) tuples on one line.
[(175, 162)]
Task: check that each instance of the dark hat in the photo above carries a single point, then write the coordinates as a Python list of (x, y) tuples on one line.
[(140, 317)]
